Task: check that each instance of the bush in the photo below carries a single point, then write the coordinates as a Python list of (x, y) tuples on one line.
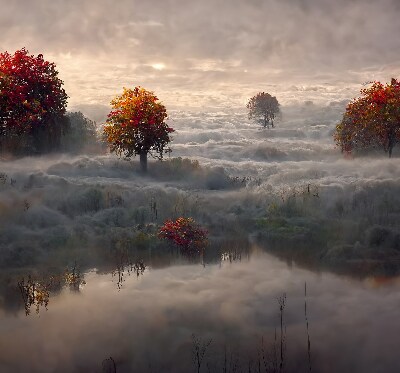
[(186, 234)]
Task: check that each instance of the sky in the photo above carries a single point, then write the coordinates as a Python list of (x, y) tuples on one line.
[(209, 53)]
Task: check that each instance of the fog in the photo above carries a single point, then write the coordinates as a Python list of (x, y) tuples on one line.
[(287, 190), (224, 171), (147, 326), (210, 54), (85, 281)]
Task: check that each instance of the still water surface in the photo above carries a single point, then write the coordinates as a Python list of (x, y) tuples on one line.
[(148, 324)]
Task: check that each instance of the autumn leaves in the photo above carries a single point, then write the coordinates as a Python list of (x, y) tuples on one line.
[(372, 120), (136, 126), (32, 103)]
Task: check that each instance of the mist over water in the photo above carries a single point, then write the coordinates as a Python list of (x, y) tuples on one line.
[(148, 324), (286, 190)]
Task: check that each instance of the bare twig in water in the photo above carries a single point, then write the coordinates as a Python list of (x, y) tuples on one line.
[(109, 365), (199, 351), (282, 304), (308, 333)]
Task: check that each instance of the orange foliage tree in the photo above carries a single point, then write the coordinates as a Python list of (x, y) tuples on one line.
[(263, 108), (32, 103), (186, 234), (136, 126), (372, 120)]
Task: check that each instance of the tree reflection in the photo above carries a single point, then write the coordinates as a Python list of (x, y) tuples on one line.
[(109, 365), (231, 256), (74, 278), (125, 259), (234, 250), (125, 265), (34, 293)]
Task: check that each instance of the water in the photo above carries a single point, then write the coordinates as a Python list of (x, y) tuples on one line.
[(148, 324), (288, 189)]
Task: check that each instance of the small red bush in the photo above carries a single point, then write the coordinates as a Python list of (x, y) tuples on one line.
[(185, 233)]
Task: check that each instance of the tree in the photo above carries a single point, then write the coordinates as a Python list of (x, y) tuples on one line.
[(186, 234), (372, 120), (263, 108), (136, 126), (81, 134), (32, 103)]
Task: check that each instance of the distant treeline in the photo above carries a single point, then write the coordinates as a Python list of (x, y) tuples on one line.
[(72, 133)]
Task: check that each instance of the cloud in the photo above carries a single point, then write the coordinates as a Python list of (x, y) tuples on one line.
[(208, 46)]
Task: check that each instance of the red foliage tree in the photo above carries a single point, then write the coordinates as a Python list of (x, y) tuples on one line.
[(136, 126), (372, 120), (32, 101), (186, 234)]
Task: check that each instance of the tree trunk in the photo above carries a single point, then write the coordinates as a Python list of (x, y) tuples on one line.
[(143, 162), (392, 141)]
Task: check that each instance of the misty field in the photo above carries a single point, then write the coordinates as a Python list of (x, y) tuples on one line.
[(88, 286)]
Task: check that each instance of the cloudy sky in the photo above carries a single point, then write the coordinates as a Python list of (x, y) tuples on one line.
[(209, 53)]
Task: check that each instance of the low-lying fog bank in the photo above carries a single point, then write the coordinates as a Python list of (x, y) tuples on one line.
[(69, 220), (288, 188)]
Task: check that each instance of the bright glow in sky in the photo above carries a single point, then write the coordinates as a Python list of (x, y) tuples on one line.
[(210, 53), (158, 66)]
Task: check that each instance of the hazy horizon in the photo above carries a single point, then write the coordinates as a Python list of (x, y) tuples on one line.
[(209, 54)]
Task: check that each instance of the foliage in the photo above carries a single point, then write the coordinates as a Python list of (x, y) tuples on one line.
[(136, 125), (81, 133), (32, 103), (372, 120), (182, 166), (185, 233), (263, 108)]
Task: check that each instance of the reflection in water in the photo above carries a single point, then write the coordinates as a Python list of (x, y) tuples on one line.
[(282, 304), (109, 365), (74, 278), (234, 249), (239, 307), (126, 265), (231, 256), (307, 327), (34, 293), (199, 351)]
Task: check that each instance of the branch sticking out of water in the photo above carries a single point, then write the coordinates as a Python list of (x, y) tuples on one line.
[(308, 333), (282, 304), (199, 351)]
